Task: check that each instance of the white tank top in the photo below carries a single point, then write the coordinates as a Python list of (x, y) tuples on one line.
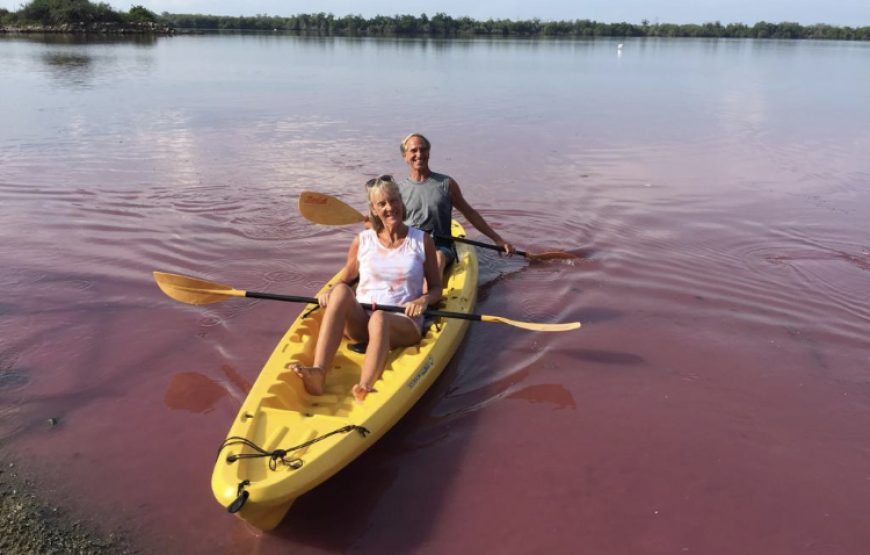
[(390, 276)]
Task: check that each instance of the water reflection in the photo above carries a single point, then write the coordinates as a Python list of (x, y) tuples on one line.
[(552, 394), (74, 69), (12, 378), (81, 61), (193, 392), (86, 39)]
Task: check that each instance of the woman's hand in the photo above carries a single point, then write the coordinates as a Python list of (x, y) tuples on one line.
[(416, 307)]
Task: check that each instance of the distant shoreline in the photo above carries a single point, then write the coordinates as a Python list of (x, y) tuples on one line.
[(96, 30), (138, 20), (445, 26), (92, 28), (81, 17)]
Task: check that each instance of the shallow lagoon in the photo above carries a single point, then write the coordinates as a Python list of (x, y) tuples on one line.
[(717, 399)]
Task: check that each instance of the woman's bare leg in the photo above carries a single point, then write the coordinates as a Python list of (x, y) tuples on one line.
[(386, 331), (343, 312)]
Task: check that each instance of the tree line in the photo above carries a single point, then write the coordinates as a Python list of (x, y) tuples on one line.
[(53, 12), (442, 25)]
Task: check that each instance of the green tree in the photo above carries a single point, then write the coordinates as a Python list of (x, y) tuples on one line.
[(763, 30), (58, 12), (141, 14)]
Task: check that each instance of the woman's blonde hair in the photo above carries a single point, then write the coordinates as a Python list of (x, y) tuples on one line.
[(386, 184)]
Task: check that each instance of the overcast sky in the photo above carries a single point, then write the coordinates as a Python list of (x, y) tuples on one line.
[(854, 13)]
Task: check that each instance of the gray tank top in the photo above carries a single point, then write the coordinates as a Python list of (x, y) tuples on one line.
[(428, 203)]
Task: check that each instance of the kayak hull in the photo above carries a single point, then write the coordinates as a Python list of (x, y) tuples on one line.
[(330, 430)]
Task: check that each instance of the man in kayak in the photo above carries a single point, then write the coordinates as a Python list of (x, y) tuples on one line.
[(430, 198), (391, 261)]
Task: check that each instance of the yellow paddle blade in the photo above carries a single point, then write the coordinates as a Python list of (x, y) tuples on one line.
[(327, 210), (194, 291), (530, 325)]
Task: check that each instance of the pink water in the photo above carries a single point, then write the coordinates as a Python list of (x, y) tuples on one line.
[(716, 400)]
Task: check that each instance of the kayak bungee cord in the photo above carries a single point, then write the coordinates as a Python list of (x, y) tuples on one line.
[(280, 454), (275, 455)]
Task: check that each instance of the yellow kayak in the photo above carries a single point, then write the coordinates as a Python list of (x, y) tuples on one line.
[(284, 442)]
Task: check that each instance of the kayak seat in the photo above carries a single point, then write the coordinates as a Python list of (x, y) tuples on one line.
[(358, 347)]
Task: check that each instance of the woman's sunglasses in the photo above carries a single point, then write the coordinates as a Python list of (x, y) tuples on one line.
[(384, 178)]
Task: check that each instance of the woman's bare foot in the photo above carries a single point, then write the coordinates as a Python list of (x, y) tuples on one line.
[(360, 391), (312, 378)]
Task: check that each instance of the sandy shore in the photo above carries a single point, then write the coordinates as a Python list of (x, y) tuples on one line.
[(30, 525)]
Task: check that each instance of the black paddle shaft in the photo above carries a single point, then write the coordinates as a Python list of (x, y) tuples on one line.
[(369, 306), (477, 244)]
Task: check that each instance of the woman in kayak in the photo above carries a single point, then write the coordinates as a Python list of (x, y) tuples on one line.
[(391, 261), (430, 198)]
